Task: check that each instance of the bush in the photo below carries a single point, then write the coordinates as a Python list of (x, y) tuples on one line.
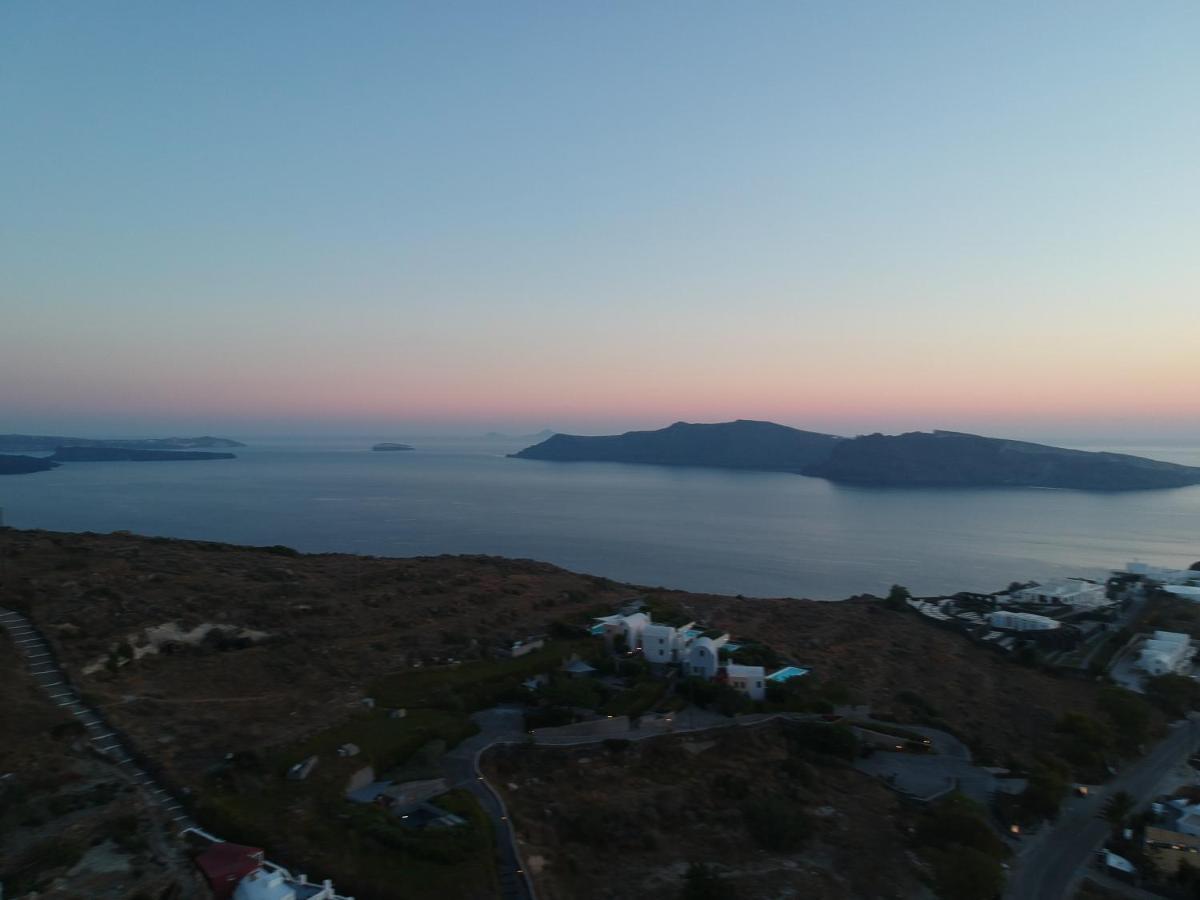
[(965, 873), (1176, 695)]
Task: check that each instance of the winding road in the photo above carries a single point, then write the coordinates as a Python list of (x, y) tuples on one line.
[(1048, 867)]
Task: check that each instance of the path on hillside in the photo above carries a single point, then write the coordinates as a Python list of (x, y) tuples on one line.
[(103, 738), (1048, 867)]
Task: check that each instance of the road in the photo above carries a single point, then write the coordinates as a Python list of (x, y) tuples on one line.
[(1049, 866), (461, 766)]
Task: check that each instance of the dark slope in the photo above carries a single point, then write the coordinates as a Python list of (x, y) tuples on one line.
[(53, 442), (23, 465), (951, 459), (122, 454), (729, 445)]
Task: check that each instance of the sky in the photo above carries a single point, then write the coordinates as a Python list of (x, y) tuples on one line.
[(455, 217)]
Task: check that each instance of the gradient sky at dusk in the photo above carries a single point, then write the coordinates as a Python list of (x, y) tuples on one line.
[(254, 217)]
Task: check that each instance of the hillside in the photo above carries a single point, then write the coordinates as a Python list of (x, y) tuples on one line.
[(200, 650), (729, 445), (952, 459), (332, 622), (23, 465)]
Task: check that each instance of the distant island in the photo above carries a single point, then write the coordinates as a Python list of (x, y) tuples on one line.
[(954, 459), (742, 444), (129, 454), (53, 442), (23, 465), (916, 459), (389, 446)]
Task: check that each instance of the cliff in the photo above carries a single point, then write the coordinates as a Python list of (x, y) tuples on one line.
[(952, 459), (729, 445)]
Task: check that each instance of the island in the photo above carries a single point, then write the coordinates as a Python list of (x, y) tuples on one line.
[(917, 459), (124, 454), (954, 459), (743, 444), (23, 465), (53, 442), (386, 447)]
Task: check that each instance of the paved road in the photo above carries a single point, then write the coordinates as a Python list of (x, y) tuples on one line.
[(1049, 866), (461, 766)]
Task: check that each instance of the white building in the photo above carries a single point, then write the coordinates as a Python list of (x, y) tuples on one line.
[(1021, 621), (666, 644), (1163, 575), (629, 628), (748, 680), (703, 657), (1165, 652), (1077, 592)]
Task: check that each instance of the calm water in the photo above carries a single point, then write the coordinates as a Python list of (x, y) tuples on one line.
[(709, 530)]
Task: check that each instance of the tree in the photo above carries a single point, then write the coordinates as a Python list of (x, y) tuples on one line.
[(1176, 695), (965, 873), (1043, 794), (1117, 808), (897, 597), (1130, 717)]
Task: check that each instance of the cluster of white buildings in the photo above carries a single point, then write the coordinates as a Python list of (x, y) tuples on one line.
[(1076, 592), (686, 646), (1021, 621), (1180, 582), (1166, 652)]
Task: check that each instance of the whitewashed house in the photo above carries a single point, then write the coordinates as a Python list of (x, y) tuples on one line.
[(1021, 621), (629, 628), (703, 657), (1165, 652), (748, 680), (666, 644), (1077, 592)]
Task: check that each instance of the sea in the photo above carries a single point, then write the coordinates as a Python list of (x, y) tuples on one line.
[(751, 533)]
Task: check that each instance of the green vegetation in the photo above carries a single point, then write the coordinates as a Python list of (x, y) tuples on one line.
[(474, 685), (962, 850), (897, 597), (1176, 695), (637, 700), (1042, 797), (1131, 718), (385, 742)]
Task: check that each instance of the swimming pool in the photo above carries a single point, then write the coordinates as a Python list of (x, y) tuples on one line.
[(787, 673)]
